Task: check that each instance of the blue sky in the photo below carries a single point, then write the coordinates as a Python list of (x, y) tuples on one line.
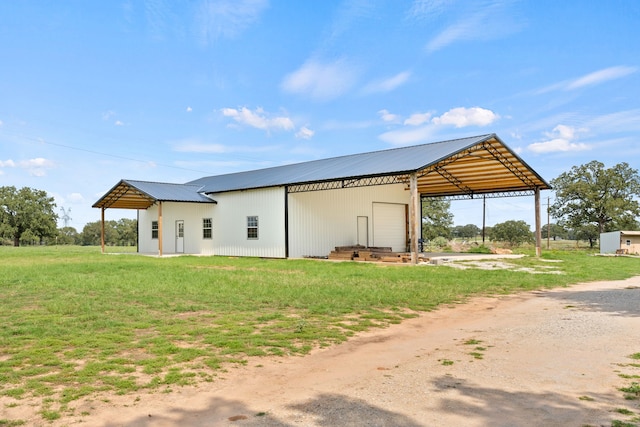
[(161, 90)]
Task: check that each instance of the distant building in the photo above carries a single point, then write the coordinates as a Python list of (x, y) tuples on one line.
[(620, 242)]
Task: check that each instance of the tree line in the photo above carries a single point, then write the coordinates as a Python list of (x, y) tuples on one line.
[(27, 217), (589, 199)]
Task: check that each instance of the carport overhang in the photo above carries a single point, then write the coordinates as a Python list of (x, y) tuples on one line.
[(485, 169), (128, 194)]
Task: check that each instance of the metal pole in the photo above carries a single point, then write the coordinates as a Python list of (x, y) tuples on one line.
[(484, 211), (538, 233), (102, 230), (414, 220), (160, 228)]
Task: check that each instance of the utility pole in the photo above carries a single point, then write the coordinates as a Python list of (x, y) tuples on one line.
[(548, 222)]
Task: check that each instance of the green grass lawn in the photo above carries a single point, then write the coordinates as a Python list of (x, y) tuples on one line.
[(74, 322)]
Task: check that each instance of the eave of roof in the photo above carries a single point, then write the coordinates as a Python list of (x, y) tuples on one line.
[(132, 194)]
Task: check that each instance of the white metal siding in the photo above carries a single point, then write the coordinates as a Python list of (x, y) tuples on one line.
[(322, 220), (390, 226), (230, 223), (191, 213), (609, 242)]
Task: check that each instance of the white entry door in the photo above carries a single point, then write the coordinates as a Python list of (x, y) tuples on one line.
[(179, 236)]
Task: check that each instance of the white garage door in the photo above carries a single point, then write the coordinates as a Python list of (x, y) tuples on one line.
[(389, 226)]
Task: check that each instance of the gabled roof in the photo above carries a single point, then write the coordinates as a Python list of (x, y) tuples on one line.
[(474, 165), (460, 167), (131, 194)]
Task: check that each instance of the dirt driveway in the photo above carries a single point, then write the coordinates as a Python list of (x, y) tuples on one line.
[(545, 358)]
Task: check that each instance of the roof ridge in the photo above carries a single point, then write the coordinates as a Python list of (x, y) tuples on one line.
[(160, 182), (348, 155)]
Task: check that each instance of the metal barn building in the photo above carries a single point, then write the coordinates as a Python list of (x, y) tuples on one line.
[(307, 209)]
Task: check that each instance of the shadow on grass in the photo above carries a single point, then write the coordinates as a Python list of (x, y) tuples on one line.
[(620, 302), (325, 410)]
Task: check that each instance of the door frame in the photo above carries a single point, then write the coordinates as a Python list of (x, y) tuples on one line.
[(179, 236)]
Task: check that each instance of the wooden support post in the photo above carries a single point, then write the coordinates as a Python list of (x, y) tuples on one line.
[(538, 229), (160, 228), (102, 229), (414, 217)]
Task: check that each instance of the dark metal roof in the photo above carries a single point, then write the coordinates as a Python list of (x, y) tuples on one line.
[(460, 167), (131, 194), (474, 165), (376, 163)]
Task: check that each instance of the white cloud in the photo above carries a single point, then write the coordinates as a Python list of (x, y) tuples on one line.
[(463, 117), (408, 136), (419, 127), (601, 76), (428, 8), (620, 121), (7, 164), (417, 119), (75, 198), (560, 140), (118, 123), (189, 109), (389, 84), (227, 18), (590, 79), (388, 117), (465, 29), (482, 20), (107, 115), (305, 133), (258, 119), (321, 81), (37, 166)]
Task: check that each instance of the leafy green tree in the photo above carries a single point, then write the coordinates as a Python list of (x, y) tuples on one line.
[(127, 231), (593, 195), (468, 231), (116, 233), (27, 212), (513, 232), (589, 233), (436, 218), (68, 236), (554, 231)]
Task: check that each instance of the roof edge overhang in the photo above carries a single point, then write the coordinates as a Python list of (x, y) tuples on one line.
[(125, 195)]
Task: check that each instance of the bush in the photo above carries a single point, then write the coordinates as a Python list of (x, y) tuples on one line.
[(481, 249)]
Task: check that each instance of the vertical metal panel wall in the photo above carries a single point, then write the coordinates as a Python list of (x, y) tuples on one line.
[(191, 213), (321, 220), (230, 223), (609, 242)]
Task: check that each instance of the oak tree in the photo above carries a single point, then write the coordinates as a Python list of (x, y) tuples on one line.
[(591, 194), (26, 212)]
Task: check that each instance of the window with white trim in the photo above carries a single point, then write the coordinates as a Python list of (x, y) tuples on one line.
[(154, 229), (252, 227), (207, 228)]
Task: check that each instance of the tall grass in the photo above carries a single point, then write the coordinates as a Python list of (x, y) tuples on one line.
[(74, 322)]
